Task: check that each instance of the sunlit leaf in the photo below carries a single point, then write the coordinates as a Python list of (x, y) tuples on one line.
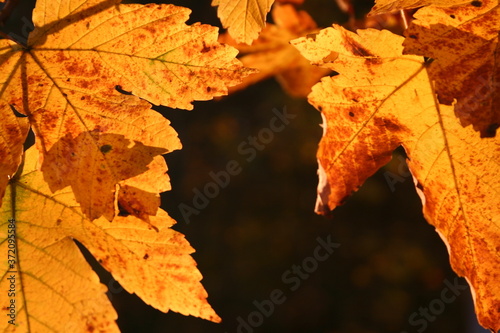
[(382, 99)]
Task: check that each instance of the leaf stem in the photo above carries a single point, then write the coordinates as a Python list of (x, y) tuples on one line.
[(403, 16)]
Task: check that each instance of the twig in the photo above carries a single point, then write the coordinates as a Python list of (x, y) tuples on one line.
[(403, 16)]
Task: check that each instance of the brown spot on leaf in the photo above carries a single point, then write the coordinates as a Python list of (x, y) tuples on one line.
[(60, 57), (77, 67), (150, 29), (49, 120), (331, 57), (355, 47), (373, 61), (10, 130), (105, 149), (476, 3), (146, 256), (352, 94), (205, 48), (311, 36)]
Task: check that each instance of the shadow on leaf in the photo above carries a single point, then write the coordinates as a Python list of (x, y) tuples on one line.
[(93, 164)]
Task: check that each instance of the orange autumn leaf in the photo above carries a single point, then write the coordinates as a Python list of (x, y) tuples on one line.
[(244, 19), (84, 83), (382, 99), (385, 6), (70, 81), (465, 46), (150, 260), (273, 55)]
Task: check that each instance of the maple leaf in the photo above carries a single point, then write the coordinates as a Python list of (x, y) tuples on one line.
[(382, 99), (151, 261), (465, 45), (70, 78), (273, 55), (98, 158), (385, 6), (244, 19)]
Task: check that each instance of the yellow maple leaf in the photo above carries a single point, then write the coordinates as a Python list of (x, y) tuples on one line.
[(244, 19), (382, 99), (385, 6), (54, 287), (465, 46), (70, 81), (98, 159)]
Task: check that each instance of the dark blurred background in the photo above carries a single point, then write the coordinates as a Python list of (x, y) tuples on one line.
[(390, 264)]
